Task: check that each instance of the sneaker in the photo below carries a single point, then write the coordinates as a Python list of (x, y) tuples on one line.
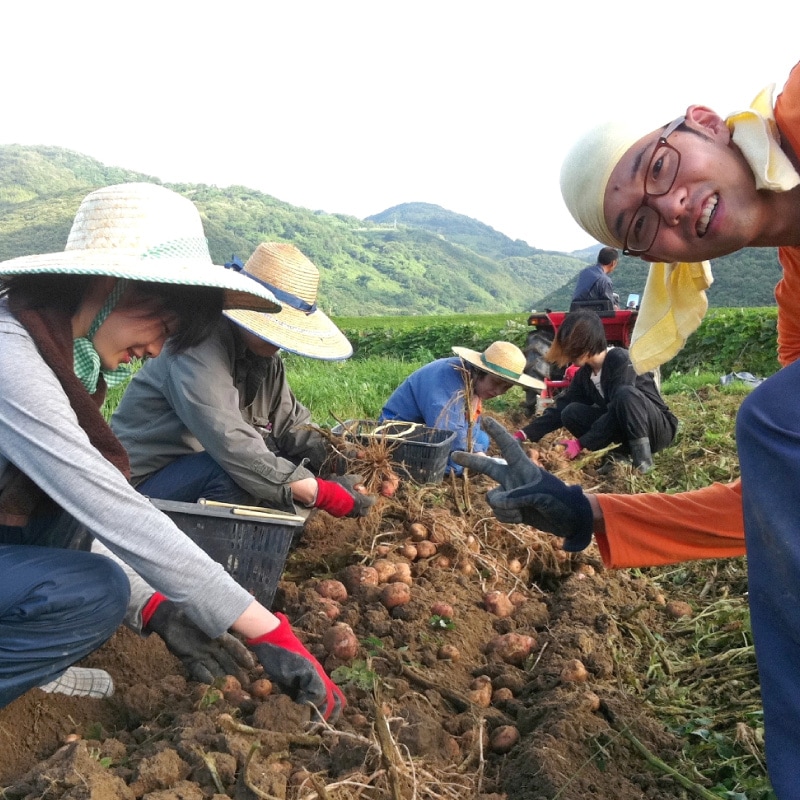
[(81, 682)]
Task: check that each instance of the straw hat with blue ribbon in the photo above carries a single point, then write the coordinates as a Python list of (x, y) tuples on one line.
[(503, 359), (143, 232), (301, 327)]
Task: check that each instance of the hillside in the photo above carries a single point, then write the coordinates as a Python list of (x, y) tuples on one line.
[(415, 258), (367, 268)]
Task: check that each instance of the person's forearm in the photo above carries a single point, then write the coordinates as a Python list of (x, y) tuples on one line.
[(255, 621), (304, 491)]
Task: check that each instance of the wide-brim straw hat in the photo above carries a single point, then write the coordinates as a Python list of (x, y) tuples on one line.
[(503, 359), (300, 327), (143, 232)]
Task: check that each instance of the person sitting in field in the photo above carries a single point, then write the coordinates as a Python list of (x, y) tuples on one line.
[(606, 402), (136, 273), (220, 421), (698, 188), (448, 393), (594, 283)]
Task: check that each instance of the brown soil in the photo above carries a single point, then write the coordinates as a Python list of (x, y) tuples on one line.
[(416, 725)]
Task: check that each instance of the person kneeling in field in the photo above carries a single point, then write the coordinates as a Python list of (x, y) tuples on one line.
[(698, 188), (436, 394), (606, 402), (220, 421), (135, 273)]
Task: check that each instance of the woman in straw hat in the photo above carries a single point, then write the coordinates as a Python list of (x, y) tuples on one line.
[(606, 402), (135, 273), (436, 393), (220, 421)]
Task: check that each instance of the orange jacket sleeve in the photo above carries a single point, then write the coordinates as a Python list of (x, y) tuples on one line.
[(648, 530)]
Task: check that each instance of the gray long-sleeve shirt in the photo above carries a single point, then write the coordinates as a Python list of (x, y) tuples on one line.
[(39, 433), (219, 398)]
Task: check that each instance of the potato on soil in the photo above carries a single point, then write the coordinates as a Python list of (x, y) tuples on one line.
[(513, 648), (395, 594), (409, 551), (677, 609), (442, 609), (426, 549), (332, 590), (330, 608), (385, 569), (501, 695), (340, 641), (417, 531), (402, 574), (480, 691), (498, 603), (574, 671), (503, 738), (355, 576), (448, 652), (261, 688)]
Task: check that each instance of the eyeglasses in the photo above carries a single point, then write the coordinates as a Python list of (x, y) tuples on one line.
[(662, 170)]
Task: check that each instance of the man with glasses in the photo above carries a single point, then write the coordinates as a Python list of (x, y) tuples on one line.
[(699, 188)]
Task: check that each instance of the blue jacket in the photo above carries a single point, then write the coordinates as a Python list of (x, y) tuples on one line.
[(434, 396), (594, 284)]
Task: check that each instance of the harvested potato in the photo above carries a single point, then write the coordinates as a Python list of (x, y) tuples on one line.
[(395, 594), (261, 688), (677, 609), (409, 551), (332, 590), (402, 574), (357, 575), (426, 549), (340, 641), (513, 648), (442, 609), (448, 652), (498, 603), (503, 738), (418, 532), (385, 569), (574, 672), (480, 691)]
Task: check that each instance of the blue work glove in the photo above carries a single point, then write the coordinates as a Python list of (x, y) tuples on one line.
[(529, 494), (287, 662)]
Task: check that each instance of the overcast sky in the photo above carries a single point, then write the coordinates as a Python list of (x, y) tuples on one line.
[(352, 107)]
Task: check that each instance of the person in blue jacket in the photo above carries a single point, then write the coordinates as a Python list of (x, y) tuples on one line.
[(448, 393)]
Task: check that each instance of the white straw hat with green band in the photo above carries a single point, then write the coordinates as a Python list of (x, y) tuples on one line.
[(143, 232), (503, 359)]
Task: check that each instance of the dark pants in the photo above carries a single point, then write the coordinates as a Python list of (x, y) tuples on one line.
[(634, 416), (56, 606), (768, 440), (189, 478)]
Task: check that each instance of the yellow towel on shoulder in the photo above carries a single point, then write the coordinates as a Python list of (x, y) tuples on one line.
[(674, 304), (674, 299)]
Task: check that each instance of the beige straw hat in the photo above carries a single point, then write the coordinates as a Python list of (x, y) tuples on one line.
[(503, 359), (300, 327), (143, 232)]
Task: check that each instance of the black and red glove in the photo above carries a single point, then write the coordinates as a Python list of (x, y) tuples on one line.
[(287, 662), (204, 658), (338, 496)]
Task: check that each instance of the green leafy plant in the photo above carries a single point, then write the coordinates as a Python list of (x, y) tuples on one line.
[(442, 622), (358, 674)]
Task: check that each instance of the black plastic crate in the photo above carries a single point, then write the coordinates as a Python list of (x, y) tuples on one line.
[(250, 546), (420, 452)]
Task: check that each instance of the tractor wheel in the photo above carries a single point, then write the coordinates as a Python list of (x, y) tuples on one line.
[(536, 365)]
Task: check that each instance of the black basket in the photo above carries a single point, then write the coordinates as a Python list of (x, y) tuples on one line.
[(420, 452), (251, 548)]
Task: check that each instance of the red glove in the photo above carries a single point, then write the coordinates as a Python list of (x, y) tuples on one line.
[(287, 662), (520, 436), (572, 447), (338, 496)]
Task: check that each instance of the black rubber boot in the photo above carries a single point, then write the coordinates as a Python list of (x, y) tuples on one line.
[(640, 454)]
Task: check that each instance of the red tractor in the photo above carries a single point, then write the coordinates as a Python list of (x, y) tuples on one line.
[(618, 325)]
